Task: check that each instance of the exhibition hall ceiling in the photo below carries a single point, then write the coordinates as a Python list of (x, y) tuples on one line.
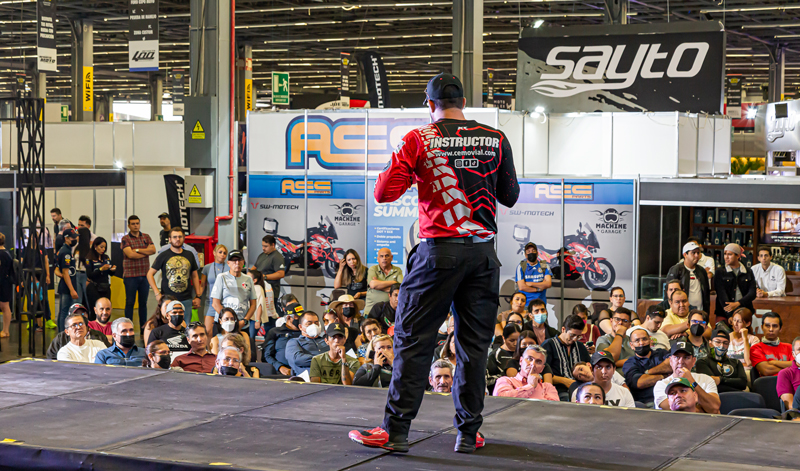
[(305, 38)]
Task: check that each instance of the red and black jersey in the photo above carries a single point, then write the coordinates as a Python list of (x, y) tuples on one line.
[(462, 168)]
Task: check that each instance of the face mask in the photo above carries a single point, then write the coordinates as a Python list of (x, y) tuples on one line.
[(164, 362), (642, 350), (773, 343), (127, 341), (697, 330), (176, 320), (73, 243), (797, 358), (228, 370), (532, 257), (312, 331), (280, 322), (348, 311), (719, 353), (540, 318), (228, 326)]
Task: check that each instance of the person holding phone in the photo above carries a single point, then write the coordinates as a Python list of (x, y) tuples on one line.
[(98, 271), (377, 373)]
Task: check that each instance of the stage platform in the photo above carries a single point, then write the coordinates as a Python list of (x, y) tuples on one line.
[(64, 416)]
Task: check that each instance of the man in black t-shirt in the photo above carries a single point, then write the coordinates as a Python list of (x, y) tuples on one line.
[(384, 311), (173, 332), (271, 264), (163, 236), (178, 273), (67, 288)]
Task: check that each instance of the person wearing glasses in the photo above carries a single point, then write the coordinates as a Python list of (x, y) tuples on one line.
[(79, 349), (618, 344), (564, 352), (677, 321), (229, 363), (646, 368), (697, 333)]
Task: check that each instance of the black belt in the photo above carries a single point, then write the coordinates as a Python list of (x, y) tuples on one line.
[(458, 240)]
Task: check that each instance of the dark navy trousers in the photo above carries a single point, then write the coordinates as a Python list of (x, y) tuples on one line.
[(441, 273)]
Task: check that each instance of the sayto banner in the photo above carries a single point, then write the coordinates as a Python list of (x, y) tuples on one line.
[(375, 74), (733, 96), (664, 67), (176, 201), (599, 232), (46, 35), (143, 35), (336, 222), (178, 91), (344, 71), (392, 225)]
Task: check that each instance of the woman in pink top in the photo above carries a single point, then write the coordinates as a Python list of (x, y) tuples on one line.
[(528, 383)]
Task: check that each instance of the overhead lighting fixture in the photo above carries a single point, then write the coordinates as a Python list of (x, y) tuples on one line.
[(751, 113), (538, 23)]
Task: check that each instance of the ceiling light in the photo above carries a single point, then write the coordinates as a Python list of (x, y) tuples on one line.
[(538, 23)]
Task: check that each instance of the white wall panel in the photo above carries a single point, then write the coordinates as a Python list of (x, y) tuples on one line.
[(645, 144), (722, 146), (511, 123), (536, 145), (705, 153), (687, 145), (580, 144), (159, 144)]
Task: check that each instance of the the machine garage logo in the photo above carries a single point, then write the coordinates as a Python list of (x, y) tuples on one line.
[(611, 221), (346, 214)]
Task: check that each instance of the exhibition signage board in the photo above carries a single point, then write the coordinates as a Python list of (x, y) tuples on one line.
[(88, 88), (46, 35), (176, 201), (143, 35), (178, 91), (280, 88), (653, 67), (374, 73), (344, 71), (733, 95)]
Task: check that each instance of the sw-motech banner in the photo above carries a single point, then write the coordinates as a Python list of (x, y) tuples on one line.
[(375, 74), (599, 232), (176, 201), (143, 35), (653, 67), (46, 35)]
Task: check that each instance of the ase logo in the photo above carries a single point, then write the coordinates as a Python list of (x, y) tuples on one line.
[(611, 221), (339, 144), (291, 186), (347, 214), (552, 191)]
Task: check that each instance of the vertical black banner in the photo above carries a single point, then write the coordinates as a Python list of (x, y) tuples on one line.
[(490, 88), (733, 96), (375, 75), (46, 35), (176, 201), (344, 70), (143, 35), (178, 91)]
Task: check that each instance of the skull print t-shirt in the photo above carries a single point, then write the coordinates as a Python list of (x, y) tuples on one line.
[(176, 273)]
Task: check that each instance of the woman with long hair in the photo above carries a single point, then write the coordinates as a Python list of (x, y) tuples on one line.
[(517, 304), (500, 357), (158, 318), (81, 254), (370, 328), (590, 332), (265, 314), (157, 355), (352, 275), (98, 272), (228, 324), (449, 349), (207, 279)]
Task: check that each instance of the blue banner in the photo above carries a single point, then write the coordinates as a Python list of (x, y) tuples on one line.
[(393, 225)]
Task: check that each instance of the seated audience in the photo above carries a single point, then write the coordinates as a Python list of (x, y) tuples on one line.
[(377, 372), (603, 371), (528, 382), (158, 318), (441, 376), (291, 305), (239, 342), (173, 331), (563, 352), (789, 377), (199, 359), (682, 395), (102, 322), (228, 362), (229, 324), (62, 338), (517, 304), (79, 348), (329, 317), (525, 340), (590, 331), (369, 329), (698, 326), (728, 374), (682, 362), (741, 338), (500, 357), (448, 350), (671, 286), (538, 324), (770, 355), (677, 321), (275, 343), (616, 299), (770, 278), (334, 366), (590, 393), (384, 311), (157, 355), (652, 324), (647, 367), (124, 352), (300, 350), (618, 344), (348, 309)]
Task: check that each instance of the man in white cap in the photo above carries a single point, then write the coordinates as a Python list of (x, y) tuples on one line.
[(735, 284), (693, 277)]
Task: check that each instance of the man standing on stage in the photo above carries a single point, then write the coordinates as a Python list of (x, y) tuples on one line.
[(462, 169)]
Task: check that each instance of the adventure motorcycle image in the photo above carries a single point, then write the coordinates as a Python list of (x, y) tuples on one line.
[(321, 251), (597, 272)]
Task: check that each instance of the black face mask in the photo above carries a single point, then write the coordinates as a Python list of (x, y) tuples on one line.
[(73, 243), (348, 311), (228, 370), (532, 257), (127, 341), (176, 320), (697, 330), (642, 350), (164, 362)]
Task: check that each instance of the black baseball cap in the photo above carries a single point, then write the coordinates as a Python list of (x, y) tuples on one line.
[(719, 333), (602, 355), (436, 88), (79, 308), (682, 345), (335, 328), (163, 215), (70, 233), (531, 244), (236, 254)]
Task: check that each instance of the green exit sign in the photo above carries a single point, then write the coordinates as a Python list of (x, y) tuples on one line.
[(280, 88)]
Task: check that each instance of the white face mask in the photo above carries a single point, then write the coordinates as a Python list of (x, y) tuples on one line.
[(228, 326), (280, 322), (797, 358), (312, 331)]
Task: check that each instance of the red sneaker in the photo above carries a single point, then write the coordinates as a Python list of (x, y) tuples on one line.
[(479, 441), (377, 438)]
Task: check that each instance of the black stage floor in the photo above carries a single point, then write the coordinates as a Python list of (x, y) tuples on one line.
[(65, 416)]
